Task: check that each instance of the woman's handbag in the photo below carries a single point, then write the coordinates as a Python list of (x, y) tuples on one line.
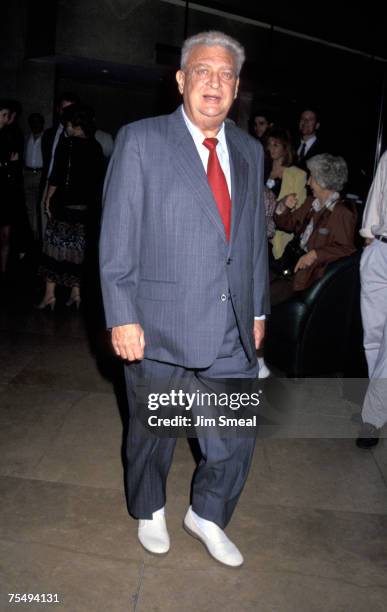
[(284, 266)]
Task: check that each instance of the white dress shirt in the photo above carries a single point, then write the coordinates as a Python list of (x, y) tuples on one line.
[(375, 213), (308, 143), (221, 150), (33, 155)]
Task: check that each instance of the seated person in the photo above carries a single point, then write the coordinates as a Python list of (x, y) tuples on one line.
[(324, 226)]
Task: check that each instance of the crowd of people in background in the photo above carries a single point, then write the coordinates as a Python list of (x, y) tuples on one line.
[(51, 188), (51, 184), (305, 194), (306, 202), (51, 191)]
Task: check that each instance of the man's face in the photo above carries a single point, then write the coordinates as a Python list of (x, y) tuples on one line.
[(36, 125), (4, 117), (61, 107), (308, 124), (209, 85), (64, 104), (260, 125)]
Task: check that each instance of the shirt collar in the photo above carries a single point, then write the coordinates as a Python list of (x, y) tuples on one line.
[(197, 134), (329, 204), (308, 143)]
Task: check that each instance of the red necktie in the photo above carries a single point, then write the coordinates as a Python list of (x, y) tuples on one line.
[(218, 184)]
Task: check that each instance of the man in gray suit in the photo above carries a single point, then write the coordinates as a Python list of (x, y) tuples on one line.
[(184, 279)]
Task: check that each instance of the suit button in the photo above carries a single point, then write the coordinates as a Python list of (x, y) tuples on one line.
[(223, 297)]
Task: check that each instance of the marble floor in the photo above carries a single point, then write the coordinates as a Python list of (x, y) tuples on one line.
[(311, 522)]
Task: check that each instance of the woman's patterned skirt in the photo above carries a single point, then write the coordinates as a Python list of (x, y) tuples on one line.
[(63, 252)]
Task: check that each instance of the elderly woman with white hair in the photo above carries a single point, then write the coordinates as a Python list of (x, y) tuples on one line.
[(324, 226)]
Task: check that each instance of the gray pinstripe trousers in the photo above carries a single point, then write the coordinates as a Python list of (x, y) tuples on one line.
[(222, 471)]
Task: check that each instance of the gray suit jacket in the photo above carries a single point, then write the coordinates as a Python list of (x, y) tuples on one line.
[(165, 262)]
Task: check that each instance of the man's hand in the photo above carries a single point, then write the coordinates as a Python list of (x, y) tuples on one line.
[(128, 341), (368, 241), (306, 260), (259, 332)]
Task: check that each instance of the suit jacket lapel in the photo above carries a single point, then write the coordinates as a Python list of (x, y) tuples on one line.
[(189, 164), (239, 175)]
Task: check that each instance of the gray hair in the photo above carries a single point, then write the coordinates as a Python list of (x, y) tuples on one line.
[(213, 39), (328, 171)]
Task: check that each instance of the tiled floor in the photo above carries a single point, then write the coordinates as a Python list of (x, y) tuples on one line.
[(311, 522)]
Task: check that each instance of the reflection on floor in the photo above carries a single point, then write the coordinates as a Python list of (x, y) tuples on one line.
[(311, 523)]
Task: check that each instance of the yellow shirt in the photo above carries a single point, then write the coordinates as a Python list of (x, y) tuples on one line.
[(293, 181)]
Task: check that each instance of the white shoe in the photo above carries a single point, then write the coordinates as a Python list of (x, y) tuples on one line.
[(153, 533), (214, 539), (264, 371)]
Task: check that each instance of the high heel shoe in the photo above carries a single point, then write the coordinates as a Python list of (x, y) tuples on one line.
[(74, 300), (47, 303)]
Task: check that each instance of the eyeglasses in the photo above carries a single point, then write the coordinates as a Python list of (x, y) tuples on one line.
[(204, 73)]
